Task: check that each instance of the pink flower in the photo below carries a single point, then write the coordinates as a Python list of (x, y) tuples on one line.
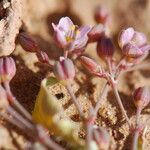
[(133, 43), (68, 36)]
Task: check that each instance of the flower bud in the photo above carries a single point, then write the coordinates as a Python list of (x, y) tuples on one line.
[(64, 69), (7, 69), (27, 42), (101, 15), (141, 97), (102, 138), (90, 64), (43, 57), (96, 32), (105, 48), (3, 98)]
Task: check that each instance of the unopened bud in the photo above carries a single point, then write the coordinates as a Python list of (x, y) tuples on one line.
[(3, 98), (96, 32), (102, 138), (101, 15), (141, 97), (7, 69), (90, 64), (27, 42), (43, 57), (64, 69), (105, 48)]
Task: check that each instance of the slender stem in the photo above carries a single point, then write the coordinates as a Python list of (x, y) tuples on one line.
[(135, 140), (120, 103), (14, 102), (74, 100), (138, 112), (66, 53), (100, 99), (13, 121), (89, 136), (46, 140), (18, 117)]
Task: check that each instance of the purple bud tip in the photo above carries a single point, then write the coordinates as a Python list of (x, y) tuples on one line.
[(105, 48), (64, 69), (7, 69), (101, 15), (141, 97), (3, 98), (90, 64), (27, 42), (96, 32)]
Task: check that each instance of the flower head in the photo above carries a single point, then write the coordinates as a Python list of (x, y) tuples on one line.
[(7, 69), (64, 69), (141, 97), (68, 36), (133, 43)]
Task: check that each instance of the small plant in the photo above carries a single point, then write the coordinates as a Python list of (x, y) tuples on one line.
[(73, 40)]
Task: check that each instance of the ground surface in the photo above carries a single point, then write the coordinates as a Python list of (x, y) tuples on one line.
[(25, 86)]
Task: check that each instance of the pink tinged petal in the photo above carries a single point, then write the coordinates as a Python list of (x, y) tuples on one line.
[(139, 38), (65, 23), (126, 36), (60, 39), (78, 44), (131, 50), (68, 68), (96, 32), (145, 48), (59, 71), (83, 31)]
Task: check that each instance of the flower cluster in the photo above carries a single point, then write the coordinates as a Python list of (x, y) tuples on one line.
[(72, 39)]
